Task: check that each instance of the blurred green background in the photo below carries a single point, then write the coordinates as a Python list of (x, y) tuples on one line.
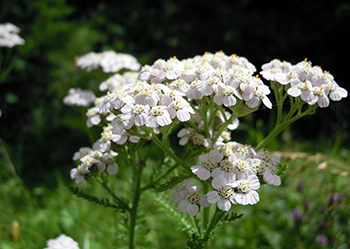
[(42, 134)]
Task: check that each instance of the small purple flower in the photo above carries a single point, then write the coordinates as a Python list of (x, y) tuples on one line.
[(297, 215), (321, 240)]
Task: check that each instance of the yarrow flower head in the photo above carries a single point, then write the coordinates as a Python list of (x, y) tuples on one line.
[(9, 35), (62, 242), (189, 201), (310, 83), (79, 97), (109, 61)]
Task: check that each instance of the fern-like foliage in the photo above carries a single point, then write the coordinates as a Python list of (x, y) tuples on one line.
[(281, 167), (171, 182), (168, 207), (100, 201), (196, 242), (227, 218)]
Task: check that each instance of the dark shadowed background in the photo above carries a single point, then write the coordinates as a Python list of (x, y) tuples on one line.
[(43, 134)]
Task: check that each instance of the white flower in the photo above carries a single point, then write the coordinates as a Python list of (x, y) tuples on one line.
[(179, 85), (159, 116), (121, 123), (245, 190), (181, 109), (302, 89), (223, 195), (260, 93), (226, 169), (89, 61), (93, 116), (226, 96), (77, 175), (107, 137), (118, 81), (320, 97), (124, 137), (193, 92), (81, 153), (110, 61), (200, 140), (79, 97), (115, 100), (182, 191), (209, 163), (9, 35), (147, 96), (186, 134), (114, 62), (136, 114), (108, 160), (62, 242), (191, 201), (336, 92), (210, 85)]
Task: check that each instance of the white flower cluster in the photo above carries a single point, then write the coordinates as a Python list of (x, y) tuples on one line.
[(235, 170), (62, 242), (189, 201), (143, 104), (117, 81), (79, 97), (110, 61), (310, 83), (228, 78), (9, 35), (92, 161)]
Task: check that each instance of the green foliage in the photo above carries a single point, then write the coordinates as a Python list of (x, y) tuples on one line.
[(101, 201), (281, 168), (170, 183), (195, 242), (168, 207)]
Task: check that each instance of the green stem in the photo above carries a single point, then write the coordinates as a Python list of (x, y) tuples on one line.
[(116, 198), (160, 177), (134, 208), (223, 127), (167, 150), (215, 219), (196, 225), (206, 211), (286, 122)]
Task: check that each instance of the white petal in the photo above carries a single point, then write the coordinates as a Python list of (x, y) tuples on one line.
[(183, 141), (113, 169), (203, 201), (294, 91), (176, 197), (183, 116), (219, 182), (213, 197), (183, 206), (224, 205), (192, 209)]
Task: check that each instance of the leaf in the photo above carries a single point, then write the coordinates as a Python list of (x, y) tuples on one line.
[(168, 207), (171, 182), (281, 167), (195, 242), (101, 201)]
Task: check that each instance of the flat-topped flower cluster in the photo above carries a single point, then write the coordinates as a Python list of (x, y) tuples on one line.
[(310, 83), (206, 95), (109, 61), (9, 35)]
